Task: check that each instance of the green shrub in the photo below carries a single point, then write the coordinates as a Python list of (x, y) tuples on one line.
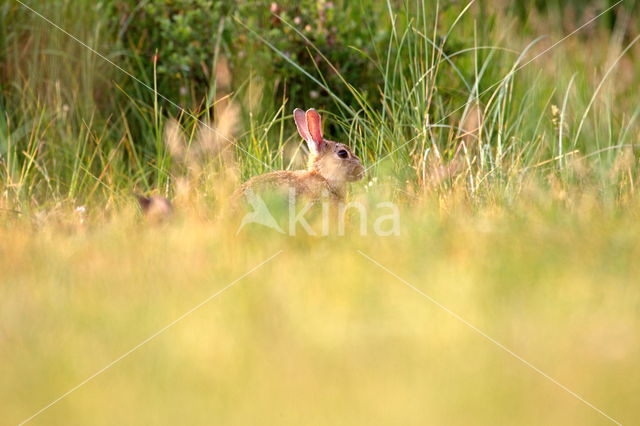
[(188, 34), (184, 35)]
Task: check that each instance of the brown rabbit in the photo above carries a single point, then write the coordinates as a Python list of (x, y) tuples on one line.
[(330, 165), (155, 208)]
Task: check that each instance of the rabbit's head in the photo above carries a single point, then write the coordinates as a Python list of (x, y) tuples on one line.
[(332, 160)]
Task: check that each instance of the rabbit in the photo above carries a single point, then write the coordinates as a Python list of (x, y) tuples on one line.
[(331, 165), (156, 209)]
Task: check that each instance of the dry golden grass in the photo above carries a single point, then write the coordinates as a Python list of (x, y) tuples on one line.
[(321, 334)]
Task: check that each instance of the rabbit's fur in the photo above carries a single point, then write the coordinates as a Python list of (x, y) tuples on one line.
[(155, 208), (331, 165)]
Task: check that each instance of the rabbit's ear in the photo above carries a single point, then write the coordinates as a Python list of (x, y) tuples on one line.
[(301, 124), (145, 202), (315, 128)]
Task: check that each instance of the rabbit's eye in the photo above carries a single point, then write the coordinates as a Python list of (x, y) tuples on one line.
[(343, 153)]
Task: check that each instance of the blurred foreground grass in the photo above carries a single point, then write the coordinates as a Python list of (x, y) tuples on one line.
[(319, 334)]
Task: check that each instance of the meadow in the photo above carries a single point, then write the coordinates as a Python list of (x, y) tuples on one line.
[(504, 132)]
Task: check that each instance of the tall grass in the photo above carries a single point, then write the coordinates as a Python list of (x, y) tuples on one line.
[(449, 112)]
